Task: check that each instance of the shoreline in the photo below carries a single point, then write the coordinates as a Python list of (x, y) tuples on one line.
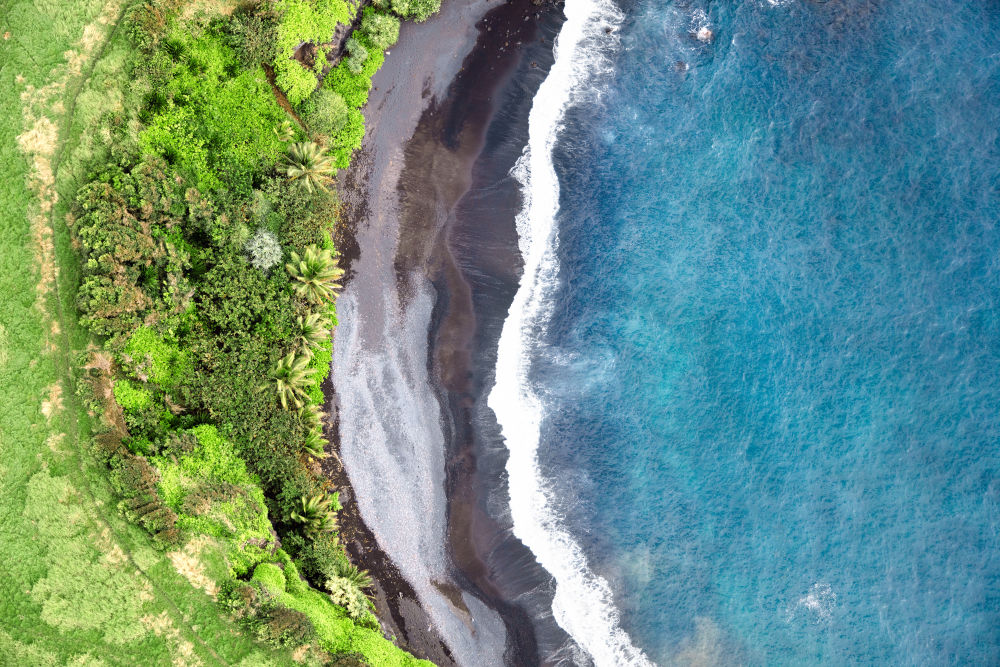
[(459, 149)]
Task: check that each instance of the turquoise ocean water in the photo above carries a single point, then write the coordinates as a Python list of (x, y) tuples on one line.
[(769, 369)]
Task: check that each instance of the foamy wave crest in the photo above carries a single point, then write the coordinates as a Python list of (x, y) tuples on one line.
[(583, 603)]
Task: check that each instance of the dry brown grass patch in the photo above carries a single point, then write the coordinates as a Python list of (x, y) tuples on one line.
[(187, 563), (53, 403)]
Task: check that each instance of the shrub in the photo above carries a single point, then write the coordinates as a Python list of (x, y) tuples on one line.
[(263, 250), (320, 559), (319, 60), (214, 495), (312, 21), (282, 626), (418, 10), (382, 30), (344, 143), (293, 582), (135, 479), (315, 226), (218, 129), (271, 577), (251, 34), (348, 660), (345, 594), (337, 633), (357, 55), (243, 306), (132, 397), (150, 356), (254, 605), (244, 601), (146, 24), (325, 112), (354, 86)]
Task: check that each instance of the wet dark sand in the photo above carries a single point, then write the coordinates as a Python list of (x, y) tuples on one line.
[(454, 207), (463, 235)]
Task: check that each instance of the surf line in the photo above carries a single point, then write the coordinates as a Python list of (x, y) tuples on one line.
[(583, 603)]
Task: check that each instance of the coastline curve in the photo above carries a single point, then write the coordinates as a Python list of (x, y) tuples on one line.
[(583, 603)]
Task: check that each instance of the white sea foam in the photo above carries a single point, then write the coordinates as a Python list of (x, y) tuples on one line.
[(583, 603), (818, 604)]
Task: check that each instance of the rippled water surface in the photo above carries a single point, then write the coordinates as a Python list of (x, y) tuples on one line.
[(771, 373)]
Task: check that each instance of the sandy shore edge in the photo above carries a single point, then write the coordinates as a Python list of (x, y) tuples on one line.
[(425, 155)]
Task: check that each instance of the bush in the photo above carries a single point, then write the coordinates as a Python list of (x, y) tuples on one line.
[(218, 129), (263, 250), (254, 605), (348, 660), (251, 34), (284, 627), (381, 30), (325, 112), (293, 582), (357, 54), (135, 479), (319, 560), (271, 577), (132, 397), (244, 601), (418, 10), (345, 594), (344, 143), (355, 86), (149, 356), (214, 495), (312, 21)]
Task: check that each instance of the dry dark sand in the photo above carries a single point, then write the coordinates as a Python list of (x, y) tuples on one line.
[(430, 208)]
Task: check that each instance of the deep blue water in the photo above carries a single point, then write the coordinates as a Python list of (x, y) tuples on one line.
[(772, 376)]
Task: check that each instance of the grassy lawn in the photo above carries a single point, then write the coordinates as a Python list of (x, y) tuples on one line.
[(80, 585)]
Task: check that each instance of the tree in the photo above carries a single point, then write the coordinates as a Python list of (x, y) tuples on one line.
[(418, 10), (353, 574), (252, 32), (289, 379), (315, 445), (315, 274), (311, 417), (325, 112), (381, 29), (306, 163), (315, 514), (263, 250), (285, 131), (357, 55), (312, 329)]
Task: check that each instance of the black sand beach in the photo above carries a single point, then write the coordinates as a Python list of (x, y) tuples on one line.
[(433, 261)]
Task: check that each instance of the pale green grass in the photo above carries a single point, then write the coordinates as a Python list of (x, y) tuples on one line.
[(80, 585)]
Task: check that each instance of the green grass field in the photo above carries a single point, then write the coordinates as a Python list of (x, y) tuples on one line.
[(79, 584)]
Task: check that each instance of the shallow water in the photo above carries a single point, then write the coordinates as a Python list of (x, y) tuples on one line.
[(769, 365)]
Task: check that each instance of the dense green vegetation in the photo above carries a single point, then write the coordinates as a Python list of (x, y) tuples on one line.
[(173, 458), (81, 585)]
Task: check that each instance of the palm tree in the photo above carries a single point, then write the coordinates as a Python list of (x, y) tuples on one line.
[(315, 515), (289, 378), (285, 131), (315, 274), (312, 330), (355, 575), (314, 445), (306, 163), (311, 417)]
